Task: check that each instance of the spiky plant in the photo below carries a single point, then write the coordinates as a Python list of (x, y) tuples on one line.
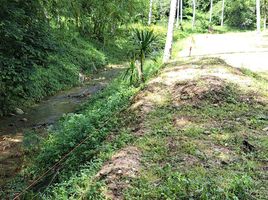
[(143, 40)]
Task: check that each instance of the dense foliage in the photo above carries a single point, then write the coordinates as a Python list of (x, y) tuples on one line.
[(42, 48), (45, 44)]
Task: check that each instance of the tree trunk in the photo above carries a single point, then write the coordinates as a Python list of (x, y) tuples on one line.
[(161, 9), (222, 13), (211, 11), (258, 12), (178, 13), (181, 9), (150, 12), (264, 22), (193, 21), (169, 39), (265, 16)]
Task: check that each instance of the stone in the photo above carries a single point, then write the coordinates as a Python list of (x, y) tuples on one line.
[(265, 129), (24, 120), (19, 111), (207, 132)]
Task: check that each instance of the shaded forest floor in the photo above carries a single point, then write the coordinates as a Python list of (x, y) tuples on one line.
[(196, 131)]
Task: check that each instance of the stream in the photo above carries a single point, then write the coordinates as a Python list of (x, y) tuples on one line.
[(38, 117)]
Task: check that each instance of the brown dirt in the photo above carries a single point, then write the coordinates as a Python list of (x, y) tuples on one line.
[(116, 173), (194, 91), (10, 157)]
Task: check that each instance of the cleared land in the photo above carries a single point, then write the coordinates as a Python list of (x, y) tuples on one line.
[(243, 50)]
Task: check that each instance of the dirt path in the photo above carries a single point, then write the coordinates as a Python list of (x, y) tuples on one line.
[(248, 50), (40, 116)]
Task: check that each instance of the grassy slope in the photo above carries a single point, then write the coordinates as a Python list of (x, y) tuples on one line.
[(195, 140), (73, 54), (192, 131), (78, 182)]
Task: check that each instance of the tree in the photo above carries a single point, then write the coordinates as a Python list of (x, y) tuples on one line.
[(193, 20), (169, 38), (150, 12), (264, 15), (211, 11), (181, 9), (258, 12), (222, 13), (178, 12), (240, 13)]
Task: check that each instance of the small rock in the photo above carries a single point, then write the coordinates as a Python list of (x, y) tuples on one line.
[(19, 111), (265, 129), (119, 172), (247, 147), (185, 97), (24, 120), (11, 114), (223, 162), (207, 132)]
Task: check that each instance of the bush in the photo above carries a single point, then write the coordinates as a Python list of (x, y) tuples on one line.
[(240, 14)]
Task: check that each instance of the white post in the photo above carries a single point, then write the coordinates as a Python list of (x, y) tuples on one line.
[(169, 39)]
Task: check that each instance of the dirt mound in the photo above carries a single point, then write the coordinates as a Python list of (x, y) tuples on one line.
[(116, 173), (209, 88)]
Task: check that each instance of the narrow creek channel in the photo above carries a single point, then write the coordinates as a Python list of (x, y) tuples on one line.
[(40, 116)]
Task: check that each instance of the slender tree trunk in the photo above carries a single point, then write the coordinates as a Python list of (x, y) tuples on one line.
[(169, 39), (264, 15), (264, 22), (258, 12), (211, 11), (193, 22), (181, 9), (178, 13), (150, 12), (161, 8), (222, 13)]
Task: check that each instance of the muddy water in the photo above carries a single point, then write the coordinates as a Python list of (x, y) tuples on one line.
[(39, 116)]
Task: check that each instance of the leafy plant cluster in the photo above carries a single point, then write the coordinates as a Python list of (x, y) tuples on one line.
[(25, 44), (45, 44), (91, 123), (237, 13)]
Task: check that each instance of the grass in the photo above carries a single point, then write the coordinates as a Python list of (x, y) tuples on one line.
[(204, 158), (192, 151), (200, 157)]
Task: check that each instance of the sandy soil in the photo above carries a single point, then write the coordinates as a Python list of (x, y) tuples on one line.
[(247, 50)]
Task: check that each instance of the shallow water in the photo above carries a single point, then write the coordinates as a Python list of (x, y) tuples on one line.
[(39, 116)]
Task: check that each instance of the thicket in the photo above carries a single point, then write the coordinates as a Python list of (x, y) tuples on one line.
[(45, 44), (240, 14)]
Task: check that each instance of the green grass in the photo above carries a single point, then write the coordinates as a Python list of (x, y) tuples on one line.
[(188, 162), (203, 158)]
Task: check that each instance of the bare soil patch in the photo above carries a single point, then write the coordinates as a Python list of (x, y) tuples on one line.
[(116, 173)]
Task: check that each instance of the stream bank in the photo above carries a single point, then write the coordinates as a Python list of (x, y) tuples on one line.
[(42, 115)]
